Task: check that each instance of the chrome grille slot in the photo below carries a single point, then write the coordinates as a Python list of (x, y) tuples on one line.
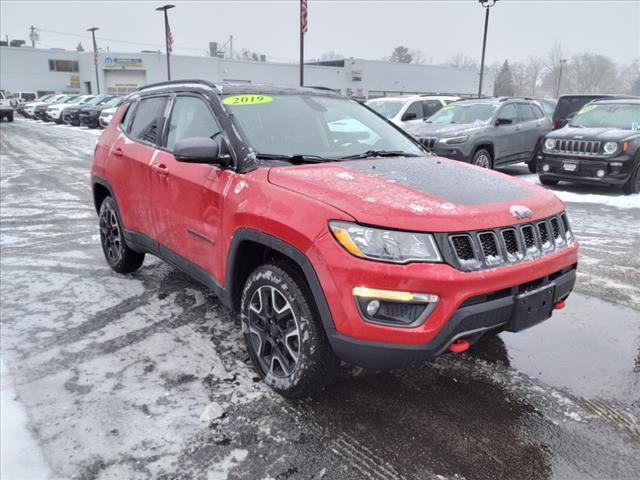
[(510, 241), (489, 245), (529, 238), (428, 142), (543, 232), (555, 229), (463, 247)]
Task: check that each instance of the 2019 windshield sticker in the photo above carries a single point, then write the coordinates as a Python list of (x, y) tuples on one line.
[(237, 100)]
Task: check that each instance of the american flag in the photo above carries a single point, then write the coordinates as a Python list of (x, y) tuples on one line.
[(169, 40), (304, 21)]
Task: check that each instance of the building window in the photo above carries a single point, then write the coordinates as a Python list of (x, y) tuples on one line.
[(63, 66)]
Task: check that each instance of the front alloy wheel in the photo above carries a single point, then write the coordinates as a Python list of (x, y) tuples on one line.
[(482, 158), (274, 331), (283, 333)]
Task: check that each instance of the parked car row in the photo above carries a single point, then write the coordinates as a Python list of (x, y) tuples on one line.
[(76, 110), (592, 139)]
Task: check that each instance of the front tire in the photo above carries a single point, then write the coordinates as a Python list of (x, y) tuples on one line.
[(633, 184), (550, 182), (118, 255), (533, 165), (10, 117), (482, 158), (283, 332)]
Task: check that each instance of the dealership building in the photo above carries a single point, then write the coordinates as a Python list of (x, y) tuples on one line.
[(62, 71)]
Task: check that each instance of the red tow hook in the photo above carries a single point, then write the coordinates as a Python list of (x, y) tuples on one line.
[(460, 345), (560, 305)]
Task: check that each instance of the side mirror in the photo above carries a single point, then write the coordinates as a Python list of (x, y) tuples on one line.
[(503, 121), (198, 150), (409, 116)]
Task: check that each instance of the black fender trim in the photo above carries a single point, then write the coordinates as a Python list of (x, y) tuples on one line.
[(288, 250)]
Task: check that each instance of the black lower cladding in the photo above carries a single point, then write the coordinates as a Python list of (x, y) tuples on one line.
[(502, 310)]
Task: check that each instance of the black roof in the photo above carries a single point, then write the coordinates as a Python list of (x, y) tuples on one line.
[(234, 88)]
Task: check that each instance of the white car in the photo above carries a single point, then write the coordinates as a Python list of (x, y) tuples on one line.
[(404, 111), (106, 115), (6, 107), (30, 108), (54, 112)]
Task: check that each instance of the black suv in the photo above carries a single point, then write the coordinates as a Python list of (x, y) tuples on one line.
[(600, 145), (567, 107), (487, 132)]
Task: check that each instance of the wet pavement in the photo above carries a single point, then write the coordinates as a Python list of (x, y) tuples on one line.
[(146, 376)]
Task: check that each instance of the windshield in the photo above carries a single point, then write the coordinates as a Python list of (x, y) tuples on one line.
[(463, 113), (318, 126), (95, 101), (386, 108), (613, 115), (73, 101)]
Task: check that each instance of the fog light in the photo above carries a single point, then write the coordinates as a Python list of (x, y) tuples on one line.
[(600, 173), (372, 307), (545, 167)]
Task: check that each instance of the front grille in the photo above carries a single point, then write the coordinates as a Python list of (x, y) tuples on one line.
[(428, 142), (577, 147), (506, 245)]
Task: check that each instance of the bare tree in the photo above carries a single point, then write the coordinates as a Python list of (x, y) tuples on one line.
[(629, 78), (555, 57), (331, 55), (592, 73), (417, 57), (463, 62), (518, 71), (534, 67)]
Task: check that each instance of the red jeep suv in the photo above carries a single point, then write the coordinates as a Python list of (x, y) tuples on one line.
[(333, 233)]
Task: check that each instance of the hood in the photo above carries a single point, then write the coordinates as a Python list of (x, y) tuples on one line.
[(423, 129), (603, 134), (430, 194)]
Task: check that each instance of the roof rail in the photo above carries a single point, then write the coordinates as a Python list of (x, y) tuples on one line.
[(168, 83), (504, 99)]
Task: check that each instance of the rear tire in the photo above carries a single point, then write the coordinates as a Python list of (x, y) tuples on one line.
[(283, 332), (482, 158), (10, 117), (550, 182), (633, 184), (119, 256)]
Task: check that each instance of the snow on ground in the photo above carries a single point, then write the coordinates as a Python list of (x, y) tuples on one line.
[(19, 451)]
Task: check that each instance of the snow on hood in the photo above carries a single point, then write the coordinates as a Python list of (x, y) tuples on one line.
[(422, 194)]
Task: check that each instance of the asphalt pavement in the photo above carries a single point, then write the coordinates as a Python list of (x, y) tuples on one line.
[(146, 375)]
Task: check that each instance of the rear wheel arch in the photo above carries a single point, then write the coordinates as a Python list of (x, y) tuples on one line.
[(101, 190), (252, 248)]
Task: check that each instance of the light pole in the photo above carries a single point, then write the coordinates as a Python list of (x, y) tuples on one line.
[(95, 56), (562, 62), (487, 4), (167, 34)]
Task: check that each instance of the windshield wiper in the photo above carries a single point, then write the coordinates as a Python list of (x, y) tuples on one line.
[(300, 158), (379, 153)]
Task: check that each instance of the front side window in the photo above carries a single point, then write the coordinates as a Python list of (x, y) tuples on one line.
[(190, 117), (147, 120), (509, 112), (415, 107), (430, 107), (314, 125)]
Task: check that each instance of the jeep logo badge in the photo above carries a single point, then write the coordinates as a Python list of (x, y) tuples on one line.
[(520, 211)]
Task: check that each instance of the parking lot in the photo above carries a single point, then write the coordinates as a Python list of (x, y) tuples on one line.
[(147, 376)]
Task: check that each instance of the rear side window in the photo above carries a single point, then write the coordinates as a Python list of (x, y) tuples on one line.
[(190, 117), (147, 120), (525, 113)]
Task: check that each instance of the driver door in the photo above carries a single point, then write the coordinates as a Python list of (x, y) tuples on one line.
[(506, 138)]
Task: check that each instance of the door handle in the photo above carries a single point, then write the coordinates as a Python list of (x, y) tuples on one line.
[(117, 152), (160, 168)]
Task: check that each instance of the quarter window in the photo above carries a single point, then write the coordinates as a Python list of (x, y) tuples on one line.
[(147, 121), (190, 117)]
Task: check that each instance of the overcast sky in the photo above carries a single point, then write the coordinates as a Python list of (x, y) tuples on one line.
[(368, 28)]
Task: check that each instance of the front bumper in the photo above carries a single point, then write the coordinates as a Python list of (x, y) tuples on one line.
[(88, 120), (586, 169), (71, 117), (454, 152), (385, 346), (493, 312)]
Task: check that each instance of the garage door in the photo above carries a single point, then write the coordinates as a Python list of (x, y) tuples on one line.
[(121, 82)]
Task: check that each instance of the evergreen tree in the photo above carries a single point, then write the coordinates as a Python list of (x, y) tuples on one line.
[(503, 85)]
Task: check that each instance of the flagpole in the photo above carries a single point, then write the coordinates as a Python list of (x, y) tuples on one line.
[(166, 36), (301, 44)]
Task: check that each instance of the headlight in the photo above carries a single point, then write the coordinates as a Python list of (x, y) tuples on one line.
[(549, 144), (610, 147), (454, 140), (385, 245)]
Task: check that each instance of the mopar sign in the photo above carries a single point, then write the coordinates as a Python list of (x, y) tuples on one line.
[(115, 62)]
